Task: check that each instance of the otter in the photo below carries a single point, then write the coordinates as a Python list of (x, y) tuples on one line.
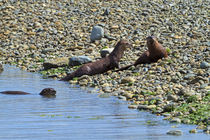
[(103, 65), (44, 92), (155, 52)]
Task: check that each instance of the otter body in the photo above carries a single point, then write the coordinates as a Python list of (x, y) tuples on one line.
[(109, 62), (155, 52), (14, 92), (44, 92)]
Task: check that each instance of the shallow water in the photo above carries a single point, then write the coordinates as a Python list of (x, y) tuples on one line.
[(74, 114)]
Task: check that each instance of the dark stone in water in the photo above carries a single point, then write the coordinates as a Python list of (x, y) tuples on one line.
[(1, 68), (174, 132)]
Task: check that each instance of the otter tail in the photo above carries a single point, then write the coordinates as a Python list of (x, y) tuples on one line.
[(124, 68)]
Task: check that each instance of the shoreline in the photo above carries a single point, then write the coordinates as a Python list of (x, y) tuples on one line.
[(176, 87)]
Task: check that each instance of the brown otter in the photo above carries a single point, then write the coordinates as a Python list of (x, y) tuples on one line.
[(107, 63), (153, 54), (44, 92)]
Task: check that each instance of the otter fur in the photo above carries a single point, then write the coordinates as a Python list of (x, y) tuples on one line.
[(155, 52), (44, 92), (103, 65)]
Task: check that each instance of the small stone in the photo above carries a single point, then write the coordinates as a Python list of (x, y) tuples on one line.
[(207, 130), (128, 95), (106, 52), (79, 60), (33, 47), (151, 106), (106, 12), (172, 98), (174, 132), (143, 107), (110, 38), (133, 106), (122, 98), (1, 68), (186, 121), (104, 95), (58, 62), (86, 77), (196, 80), (128, 80), (186, 92), (47, 50), (193, 131), (175, 120), (97, 33), (189, 76), (204, 65), (169, 107)]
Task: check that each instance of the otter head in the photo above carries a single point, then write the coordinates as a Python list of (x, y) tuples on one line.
[(121, 46), (151, 42), (124, 43), (48, 92)]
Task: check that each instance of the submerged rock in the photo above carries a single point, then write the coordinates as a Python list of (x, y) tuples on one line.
[(174, 132), (1, 68)]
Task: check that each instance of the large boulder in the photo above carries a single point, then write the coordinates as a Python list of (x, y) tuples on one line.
[(55, 63), (97, 33)]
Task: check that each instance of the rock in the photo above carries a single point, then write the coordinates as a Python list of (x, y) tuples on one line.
[(174, 132), (169, 107), (106, 12), (193, 131), (79, 60), (186, 92), (97, 33), (104, 95), (128, 95), (83, 82), (1, 68), (197, 79), (127, 80), (189, 76), (58, 62), (105, 52), (172, 98), (207, 130), (175, 120), (133, 106), (204, 65), (86, 77), (110, 38), (122, 98), (143, 107), (47, 50), (151, 106), (186, 121)]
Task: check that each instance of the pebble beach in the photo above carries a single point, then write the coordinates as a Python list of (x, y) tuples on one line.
[(42, 36)]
